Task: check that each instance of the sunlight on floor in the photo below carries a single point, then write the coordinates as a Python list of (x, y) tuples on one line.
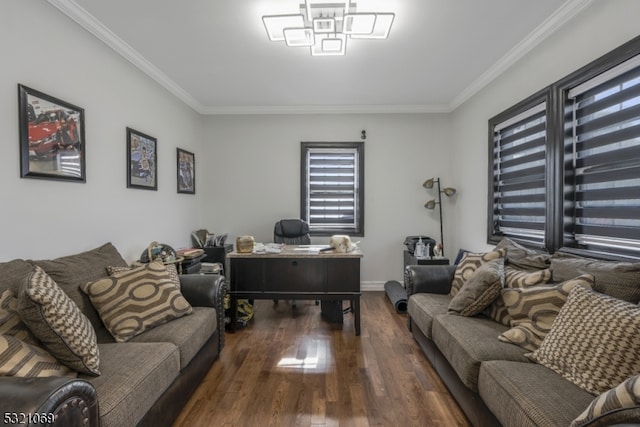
[(312, 354)]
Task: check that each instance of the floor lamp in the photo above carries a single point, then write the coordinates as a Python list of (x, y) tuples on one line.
[(431, 204)]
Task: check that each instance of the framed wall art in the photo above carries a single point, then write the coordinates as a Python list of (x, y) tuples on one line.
[(52, 142), (142, 160), (186, 172)]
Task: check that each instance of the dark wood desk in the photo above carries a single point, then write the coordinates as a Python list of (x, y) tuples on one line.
[(297, 273)]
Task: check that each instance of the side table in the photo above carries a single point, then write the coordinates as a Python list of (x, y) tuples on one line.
[(412, 260)]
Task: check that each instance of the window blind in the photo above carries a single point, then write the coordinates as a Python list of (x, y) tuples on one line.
[(519, 176), (332, 188), (605, 145)]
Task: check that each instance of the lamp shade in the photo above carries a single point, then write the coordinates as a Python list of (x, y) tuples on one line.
[(429, 183), (449, 191), (431, 204)]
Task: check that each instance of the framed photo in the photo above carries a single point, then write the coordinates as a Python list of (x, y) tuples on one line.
[(186, 172), (142, 160), (52, 144)]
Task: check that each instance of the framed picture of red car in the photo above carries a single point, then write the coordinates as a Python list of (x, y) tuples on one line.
[(142, 160), (186, 171), (52, 143)]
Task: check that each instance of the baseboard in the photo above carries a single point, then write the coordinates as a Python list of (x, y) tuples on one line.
[(372, 286)]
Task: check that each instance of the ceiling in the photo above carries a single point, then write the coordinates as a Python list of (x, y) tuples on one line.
[(216, 57)]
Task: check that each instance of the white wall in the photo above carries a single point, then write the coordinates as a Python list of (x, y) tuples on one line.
[(253, 177), (43, 49), (600, 28)]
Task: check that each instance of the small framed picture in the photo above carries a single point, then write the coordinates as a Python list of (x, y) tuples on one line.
[(142, 160), (52, 144), (186, 172)]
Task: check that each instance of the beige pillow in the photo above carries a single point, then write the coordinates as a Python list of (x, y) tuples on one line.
[(20, 359), (58, 323), (479, 290), (533, 310), (620, 405), (469, 263), (133, 301), (10, 323), (171, 269), (515, 278), (593, 342)]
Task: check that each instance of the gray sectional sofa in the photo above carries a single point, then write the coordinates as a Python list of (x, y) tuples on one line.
[(493, 381), (144, 381)]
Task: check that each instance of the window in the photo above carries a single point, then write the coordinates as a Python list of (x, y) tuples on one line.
[(602, 158), (517, 207), (332, 187), (564, 165)]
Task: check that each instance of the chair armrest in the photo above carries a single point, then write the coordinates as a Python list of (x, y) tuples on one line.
[(36, 401), (433, 279), (206, 290)]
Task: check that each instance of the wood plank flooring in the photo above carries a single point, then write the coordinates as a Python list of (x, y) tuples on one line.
[(293, 368)]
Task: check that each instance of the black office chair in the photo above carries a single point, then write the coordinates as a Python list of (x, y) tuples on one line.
[(291, 232)]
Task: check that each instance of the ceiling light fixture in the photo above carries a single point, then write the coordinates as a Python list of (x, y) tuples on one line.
[(324, 27)]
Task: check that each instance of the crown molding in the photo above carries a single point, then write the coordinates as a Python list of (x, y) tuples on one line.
[(100, 31), (78, 14), (564, 14), (328, 109)]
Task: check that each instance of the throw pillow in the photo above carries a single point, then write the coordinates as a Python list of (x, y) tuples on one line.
[(525, 258), (469, 263), (480, 289), (10, 323), (171, 269), (136, 300), (533, 310), (594, 342), (515, 278), (611, 407), (57, 321), (20, 359)]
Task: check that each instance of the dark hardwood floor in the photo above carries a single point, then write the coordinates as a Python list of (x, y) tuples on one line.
[(293, 368)]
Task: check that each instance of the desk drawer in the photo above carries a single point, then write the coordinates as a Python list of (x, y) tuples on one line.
[(295, 275)]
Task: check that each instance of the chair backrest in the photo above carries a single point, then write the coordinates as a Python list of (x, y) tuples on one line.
[(291, 232)]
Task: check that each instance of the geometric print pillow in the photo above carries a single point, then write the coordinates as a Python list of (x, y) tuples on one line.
[(19, 359), (10, 323), (171, 269), (617, 406), (136, 300), (469, 263), (515, 278), (58, 323), (594, 341), (533, 310)]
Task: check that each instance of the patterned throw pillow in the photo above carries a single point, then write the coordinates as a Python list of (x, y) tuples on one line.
[(136, 300), (479, 290), (469, 263), (58, 323), (593, 342), (171, 269), (533, 310), (10, 323), (20, 359), (616, 406), (515, 278)]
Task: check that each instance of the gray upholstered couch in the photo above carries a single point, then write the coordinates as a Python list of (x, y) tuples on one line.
[(144, 381), (493, 381)]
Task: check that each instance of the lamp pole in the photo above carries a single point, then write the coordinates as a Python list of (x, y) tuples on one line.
[(440, 207)]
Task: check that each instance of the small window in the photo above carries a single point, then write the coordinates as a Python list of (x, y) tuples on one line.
[(517, 193), (332, 187)]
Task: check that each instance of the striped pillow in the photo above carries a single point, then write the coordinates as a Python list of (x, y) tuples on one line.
[(20, 359), (619, 405), (136, 300), (533, 310)]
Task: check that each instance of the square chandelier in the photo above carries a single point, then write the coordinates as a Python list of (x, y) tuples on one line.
[(324, 27)]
